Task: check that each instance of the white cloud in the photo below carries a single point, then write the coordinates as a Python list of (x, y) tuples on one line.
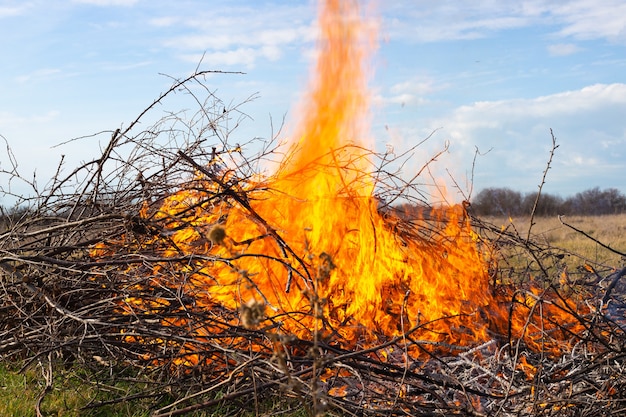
[(589, 19), (162, 22), (450, 20), (240, 56), (419, 86), (587, 123), (235, 36), (414, 91), (10, 11), (504, 113), (403, 99), (226, 39), (563, 49)]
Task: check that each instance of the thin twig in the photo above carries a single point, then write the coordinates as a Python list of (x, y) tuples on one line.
[(543, 181)]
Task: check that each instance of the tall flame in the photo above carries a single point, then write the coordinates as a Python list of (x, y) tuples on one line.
[(320, 204), (329, 207), (333, 111)]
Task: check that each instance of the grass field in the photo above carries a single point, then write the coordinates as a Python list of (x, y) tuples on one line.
[(557, 246), (20, 392), (567, 248), (71, 394)]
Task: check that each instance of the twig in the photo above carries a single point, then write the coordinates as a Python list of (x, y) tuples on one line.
[(235, 372), (244, 203), (543, 181), (615, 278), (48, 376)]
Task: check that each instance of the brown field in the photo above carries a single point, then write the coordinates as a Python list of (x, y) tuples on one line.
[(556, 246), (609, 230)]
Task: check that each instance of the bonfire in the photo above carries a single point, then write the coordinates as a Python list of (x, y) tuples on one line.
[(208, 271)]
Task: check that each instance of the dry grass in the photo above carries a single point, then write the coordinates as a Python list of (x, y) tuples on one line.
[(552, 250), (549, 231)]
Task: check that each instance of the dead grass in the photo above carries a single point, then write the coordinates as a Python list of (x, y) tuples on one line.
[(552, 251), (549, 231)]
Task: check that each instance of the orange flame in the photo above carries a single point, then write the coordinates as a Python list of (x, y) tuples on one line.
[(360, 274), (307, 250)]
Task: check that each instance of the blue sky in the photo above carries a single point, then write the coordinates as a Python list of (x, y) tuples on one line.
[(488, 75)]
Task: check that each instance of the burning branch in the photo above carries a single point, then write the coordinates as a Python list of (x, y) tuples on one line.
[(242, 200), (108, 283)]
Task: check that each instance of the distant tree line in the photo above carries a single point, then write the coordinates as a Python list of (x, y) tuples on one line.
[(507, 202), (489, 202)]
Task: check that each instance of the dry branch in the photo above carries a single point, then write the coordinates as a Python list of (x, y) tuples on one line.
[(67, 297)]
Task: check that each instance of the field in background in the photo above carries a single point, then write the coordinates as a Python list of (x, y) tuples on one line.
[(609, 230), (554, 250)]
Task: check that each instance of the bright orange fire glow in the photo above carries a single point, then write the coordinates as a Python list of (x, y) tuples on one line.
[(320, 203), (307, 247)]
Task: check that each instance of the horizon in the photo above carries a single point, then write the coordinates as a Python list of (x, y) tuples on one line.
[(488, 77)]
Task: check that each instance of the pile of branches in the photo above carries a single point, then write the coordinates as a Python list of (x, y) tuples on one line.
[(60, 307)]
